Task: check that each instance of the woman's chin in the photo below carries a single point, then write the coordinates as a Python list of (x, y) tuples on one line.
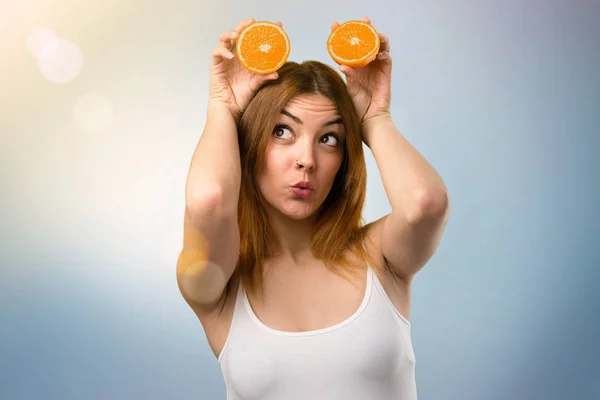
[(298, 216), (294, 210), (298, 213)]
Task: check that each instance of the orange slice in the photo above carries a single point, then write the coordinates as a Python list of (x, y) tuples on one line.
[(263, 47), (354, 43)]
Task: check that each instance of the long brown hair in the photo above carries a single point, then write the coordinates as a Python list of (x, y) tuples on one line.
[(339, 225)]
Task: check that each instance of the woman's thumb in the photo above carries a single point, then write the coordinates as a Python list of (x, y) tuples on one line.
[(271, 76), (259, 80)]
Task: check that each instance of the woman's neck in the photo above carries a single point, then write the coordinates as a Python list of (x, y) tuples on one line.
[(294, 238)]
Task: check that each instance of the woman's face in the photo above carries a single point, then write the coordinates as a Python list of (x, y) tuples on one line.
[(308, 130)]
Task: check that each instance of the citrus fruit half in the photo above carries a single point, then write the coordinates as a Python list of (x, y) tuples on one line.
[(354, 43), (263, 47)]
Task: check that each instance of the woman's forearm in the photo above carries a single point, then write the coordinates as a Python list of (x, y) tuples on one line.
[(213, 181), (411, 183)]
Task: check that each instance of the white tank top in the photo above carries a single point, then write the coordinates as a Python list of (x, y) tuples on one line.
[(367, 356)]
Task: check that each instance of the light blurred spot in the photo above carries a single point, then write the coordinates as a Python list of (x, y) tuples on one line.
[(93, 113), (42, 42), (63, 63)]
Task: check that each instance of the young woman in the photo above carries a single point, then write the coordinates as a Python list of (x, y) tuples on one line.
[(299, 299)]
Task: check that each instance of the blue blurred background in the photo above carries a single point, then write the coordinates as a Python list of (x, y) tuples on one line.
[(101, 106)]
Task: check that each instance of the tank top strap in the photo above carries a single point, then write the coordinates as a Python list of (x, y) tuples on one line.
[(382, 293), (240, 311), (237, 320)]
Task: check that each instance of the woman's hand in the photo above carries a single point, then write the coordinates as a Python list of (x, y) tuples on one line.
[(230, 83), (370, 86)]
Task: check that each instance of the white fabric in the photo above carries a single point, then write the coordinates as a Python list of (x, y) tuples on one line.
[(367, 356)]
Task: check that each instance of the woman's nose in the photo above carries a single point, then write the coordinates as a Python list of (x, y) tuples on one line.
[(303, 164), (306, 159)]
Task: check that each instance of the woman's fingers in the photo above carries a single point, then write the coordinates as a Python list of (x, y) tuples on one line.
[(220, 53), (384, 47), (227, 39), (244, 24), (384, 43)]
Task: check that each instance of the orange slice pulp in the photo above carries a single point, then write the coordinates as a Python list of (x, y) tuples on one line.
[(263, 47), (354, 43)]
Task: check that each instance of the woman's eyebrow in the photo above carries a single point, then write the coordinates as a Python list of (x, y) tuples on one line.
[(338, 120)]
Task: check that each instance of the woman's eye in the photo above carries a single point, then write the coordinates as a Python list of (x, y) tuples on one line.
[(329, 140), (280, 132)]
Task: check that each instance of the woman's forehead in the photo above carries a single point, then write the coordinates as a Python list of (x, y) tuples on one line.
[(317, 102), (315, 106)]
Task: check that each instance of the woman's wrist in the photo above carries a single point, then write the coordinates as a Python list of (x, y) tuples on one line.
[(373, 124), (221, 109)]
